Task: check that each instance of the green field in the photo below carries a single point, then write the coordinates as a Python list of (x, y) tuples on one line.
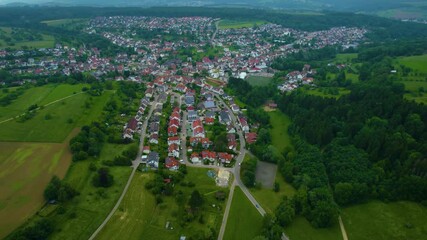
[(417, 63), (345, 57), (19, 38), (380, 221), (26, 168), (300, 229), (328, 92), (244, 221), (53, 122), (140, 218), (134, 215), (270, 199), (232, 24), (65, 22), (258, 81), (279, 131)]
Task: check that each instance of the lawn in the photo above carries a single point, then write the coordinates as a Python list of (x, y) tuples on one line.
[(139, 217), (232, 24), (54, 122), (244, 221), (258, 81), (378, 220), (26, 168), (300, 229), (279, 131)]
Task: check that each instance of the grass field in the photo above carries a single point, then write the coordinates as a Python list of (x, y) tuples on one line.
[(19, 38), (279, 131), (417, 63), (61, 120), (134, 214), (140, 218), (345, 57), (244, 221), (65, 22), (26, 168), (258, 81), (231, 24), (378, 220), (300, 229), (269, 199), (328, 92)]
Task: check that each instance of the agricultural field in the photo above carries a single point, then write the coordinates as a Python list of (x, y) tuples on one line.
[(258, 80), (279, 131), (139, 209), (232, 24), (54, 120), (378, 220), (416, 63), (19, 38), (345, 57), (244, 221), (26, 169)]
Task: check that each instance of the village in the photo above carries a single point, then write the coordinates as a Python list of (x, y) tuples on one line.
[(171, 47)]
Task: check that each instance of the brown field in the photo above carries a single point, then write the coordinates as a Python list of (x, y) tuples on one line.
[(25, 170)]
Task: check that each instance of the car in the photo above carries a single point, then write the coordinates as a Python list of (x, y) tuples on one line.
[(240, 163), (256, 205), (182, 160)]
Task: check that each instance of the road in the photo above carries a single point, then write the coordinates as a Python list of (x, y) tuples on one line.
[(48, 104), (135, 164), (216, 31)]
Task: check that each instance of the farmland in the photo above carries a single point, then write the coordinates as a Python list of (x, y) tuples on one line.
[(378, 220), (232, 24), (139, 209), (17, 38), (244, 221), (300, 228), (415, 80), (26, 170)]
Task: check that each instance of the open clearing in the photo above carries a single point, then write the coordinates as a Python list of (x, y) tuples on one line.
[(244, 221), (258, 80), (232, 24), (279, 131), (417, 63), (65, 22), (26, 169), (381, 221), (265, 174), (138, 217)]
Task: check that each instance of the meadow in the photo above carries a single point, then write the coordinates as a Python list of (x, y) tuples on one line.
[(300, 228), (416, 80), (19, 38), (327, 92), (55, 119), (258, 80), (139, 217), (244, 221), (233, 24), (66, 22), (381, 221), (279, 131)]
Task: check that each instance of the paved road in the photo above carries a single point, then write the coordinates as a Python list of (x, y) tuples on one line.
[(135, 164), (48, 104), (216, 31), (227, 211), (343, 232)]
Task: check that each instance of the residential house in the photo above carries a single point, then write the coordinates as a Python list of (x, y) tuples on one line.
[(174, 140), (224, 157), (171, 163), (195, 158), (173, 150), (192, 116), (153, 159), (146, 149), (251, 137), (224, 117), (154, 138)]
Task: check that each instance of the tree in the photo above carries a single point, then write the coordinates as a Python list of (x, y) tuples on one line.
[(52, 190), (285, 212), (103, 178), (196, 200)]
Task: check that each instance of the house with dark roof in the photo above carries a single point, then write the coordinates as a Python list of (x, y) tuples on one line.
[(224, 117), (153, 159)]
